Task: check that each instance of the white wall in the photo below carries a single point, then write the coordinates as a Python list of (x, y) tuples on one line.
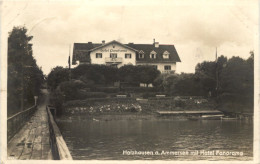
[(120, 50), (160, 66)]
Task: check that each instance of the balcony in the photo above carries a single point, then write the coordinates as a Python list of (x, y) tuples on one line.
[(113, 60), (168, 71)]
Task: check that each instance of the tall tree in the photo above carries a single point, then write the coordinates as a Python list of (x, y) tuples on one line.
[(147, 74), (209, 74), (24, 76)]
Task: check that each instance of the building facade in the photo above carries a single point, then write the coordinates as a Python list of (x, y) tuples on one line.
[(163, 57)]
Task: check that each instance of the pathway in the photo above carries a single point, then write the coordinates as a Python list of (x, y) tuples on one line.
[(32, 141)]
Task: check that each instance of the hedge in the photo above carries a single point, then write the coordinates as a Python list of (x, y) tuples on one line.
[(139, 89), (149, 94), (84, 95), (106, 89)]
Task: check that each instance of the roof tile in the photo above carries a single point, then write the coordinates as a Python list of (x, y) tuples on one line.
[(81, 52)]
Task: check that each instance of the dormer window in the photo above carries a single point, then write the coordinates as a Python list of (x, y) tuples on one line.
[(153, 55), (141, 54), (166, 55)]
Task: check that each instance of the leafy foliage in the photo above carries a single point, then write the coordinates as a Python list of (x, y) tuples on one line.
[(237, 83), (147, 74), (139, 74), (24, 76), (97, 74), (57, 76), (230, 82), (107, 75), (183, 84)]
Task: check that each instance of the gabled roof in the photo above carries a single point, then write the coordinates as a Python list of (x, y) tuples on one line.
[(148, 48), (114, 41), (86, 46), (166, 52), (81, 52)]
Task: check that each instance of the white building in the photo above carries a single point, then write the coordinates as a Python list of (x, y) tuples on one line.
[(163, 57)]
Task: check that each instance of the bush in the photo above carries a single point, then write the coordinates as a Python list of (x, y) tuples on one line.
[(57, 76), (129, 84), (139, 89), (70, 89), (100, 74), (84, 95), (57, 99), (88, 82), (107, 89), (179, 103), (147, 95)]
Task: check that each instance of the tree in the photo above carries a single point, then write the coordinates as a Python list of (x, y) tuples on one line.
[(24, 76), (128, 74), (237, 78), (183, 84), (208, 72), (99, 74), (159, 82), (57, 76), (147, 74)]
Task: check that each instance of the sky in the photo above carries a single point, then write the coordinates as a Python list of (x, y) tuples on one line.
[(196, 28)]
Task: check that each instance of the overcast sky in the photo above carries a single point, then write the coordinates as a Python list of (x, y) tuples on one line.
[(196, 29)]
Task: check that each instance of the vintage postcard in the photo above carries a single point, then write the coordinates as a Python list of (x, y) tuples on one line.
[(98, 81)]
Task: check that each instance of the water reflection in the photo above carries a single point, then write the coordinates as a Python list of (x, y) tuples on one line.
[(88, 139)]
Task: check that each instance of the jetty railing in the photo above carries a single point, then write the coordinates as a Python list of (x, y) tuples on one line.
[(15, 122), (59, 147)]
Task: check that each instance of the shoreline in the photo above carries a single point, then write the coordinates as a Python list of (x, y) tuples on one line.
[(120, 116), (131, 117)]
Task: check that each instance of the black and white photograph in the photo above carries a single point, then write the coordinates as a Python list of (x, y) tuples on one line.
[(100, 81)]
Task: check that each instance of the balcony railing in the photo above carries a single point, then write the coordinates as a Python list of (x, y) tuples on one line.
[(168, 71), (113, 60)]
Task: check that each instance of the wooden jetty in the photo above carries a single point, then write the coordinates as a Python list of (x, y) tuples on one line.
[(32, 141), (38, 138), (58, 146)]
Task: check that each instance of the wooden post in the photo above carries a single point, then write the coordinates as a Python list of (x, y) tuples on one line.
[(22, 94), (217, 73), (35, 100), (69, 66)]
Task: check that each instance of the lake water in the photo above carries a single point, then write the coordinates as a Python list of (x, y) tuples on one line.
[(158, 139)]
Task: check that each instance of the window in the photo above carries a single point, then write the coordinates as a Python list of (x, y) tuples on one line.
[(113, 55), (166, 55), (128, 56), (153, 55), (155, 66), (167, 67), (141, 54), (98, 55)]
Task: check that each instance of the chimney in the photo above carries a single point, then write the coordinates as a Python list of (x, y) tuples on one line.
[(156, 44), (153, 41), (103, 42)]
